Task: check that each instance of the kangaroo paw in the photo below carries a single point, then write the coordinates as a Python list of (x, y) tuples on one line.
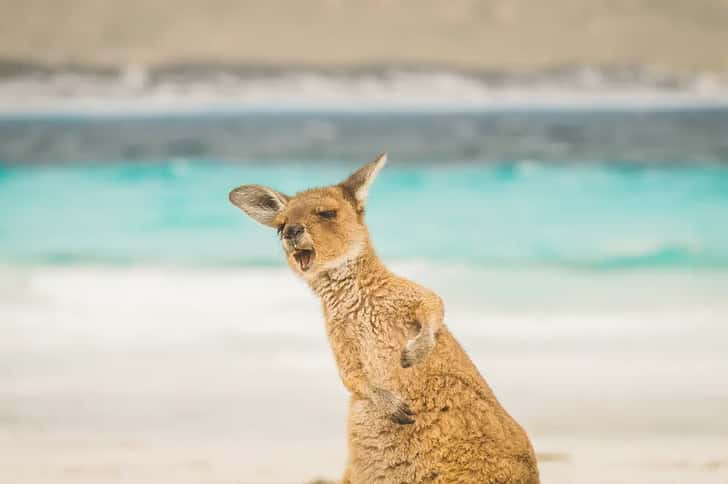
[(393, 406)]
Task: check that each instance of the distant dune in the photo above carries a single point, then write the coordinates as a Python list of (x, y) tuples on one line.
[(515, 35)]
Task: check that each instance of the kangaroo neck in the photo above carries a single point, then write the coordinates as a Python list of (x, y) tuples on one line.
[(346, 287)]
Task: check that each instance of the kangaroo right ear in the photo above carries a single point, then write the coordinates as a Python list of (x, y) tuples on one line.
[(261, 203), (358, 183)]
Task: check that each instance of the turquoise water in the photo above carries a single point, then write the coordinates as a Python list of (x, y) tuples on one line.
[(583, 216)]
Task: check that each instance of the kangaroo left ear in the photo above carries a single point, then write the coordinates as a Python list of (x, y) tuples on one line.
[(357, 185), (261, 203)]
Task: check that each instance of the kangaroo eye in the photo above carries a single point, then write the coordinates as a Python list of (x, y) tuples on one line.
[(327, 214)]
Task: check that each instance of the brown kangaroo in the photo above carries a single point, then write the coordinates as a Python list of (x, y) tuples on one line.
[(419, 410)]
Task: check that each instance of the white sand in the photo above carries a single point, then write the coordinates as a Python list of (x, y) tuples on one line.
[(147, 375)]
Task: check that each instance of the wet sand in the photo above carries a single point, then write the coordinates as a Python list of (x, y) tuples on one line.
[(42, 457)]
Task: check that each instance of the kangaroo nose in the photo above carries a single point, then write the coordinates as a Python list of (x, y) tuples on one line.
[(293, 231)]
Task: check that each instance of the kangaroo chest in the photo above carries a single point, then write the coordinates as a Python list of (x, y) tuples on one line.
[(373, 334)]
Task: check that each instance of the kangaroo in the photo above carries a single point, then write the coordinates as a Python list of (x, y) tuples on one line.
[(419, 409)]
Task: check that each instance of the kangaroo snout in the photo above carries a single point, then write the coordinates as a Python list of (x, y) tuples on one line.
[(292, 232)]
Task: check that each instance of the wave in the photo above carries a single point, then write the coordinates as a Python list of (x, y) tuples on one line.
[(666, 257), (28, 89)]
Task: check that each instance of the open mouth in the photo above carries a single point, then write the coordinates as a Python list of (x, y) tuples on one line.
[(304, 258)]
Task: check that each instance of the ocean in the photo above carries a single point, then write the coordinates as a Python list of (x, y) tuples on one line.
[(525, 214), (582, 256)]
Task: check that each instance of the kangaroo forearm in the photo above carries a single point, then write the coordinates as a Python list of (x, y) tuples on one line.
[(347, 359), (429, 316), (430, 313), (355, 380)]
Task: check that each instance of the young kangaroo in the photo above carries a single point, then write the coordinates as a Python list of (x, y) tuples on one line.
[(419, 410)]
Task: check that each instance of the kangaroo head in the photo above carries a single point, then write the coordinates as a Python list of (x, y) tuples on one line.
[(320, 228)]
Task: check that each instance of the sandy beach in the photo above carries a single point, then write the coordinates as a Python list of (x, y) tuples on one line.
[(490, 34), (558, 174), (149, 375)]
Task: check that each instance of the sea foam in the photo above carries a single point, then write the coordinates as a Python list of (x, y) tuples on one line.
[(137, 90)]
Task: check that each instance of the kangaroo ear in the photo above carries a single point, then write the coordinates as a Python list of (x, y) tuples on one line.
[(357, 185), (261, 203)]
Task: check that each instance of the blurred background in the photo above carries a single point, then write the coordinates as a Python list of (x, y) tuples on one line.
[(558, 173)]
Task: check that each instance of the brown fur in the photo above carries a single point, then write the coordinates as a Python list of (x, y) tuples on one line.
[(419, 409)]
